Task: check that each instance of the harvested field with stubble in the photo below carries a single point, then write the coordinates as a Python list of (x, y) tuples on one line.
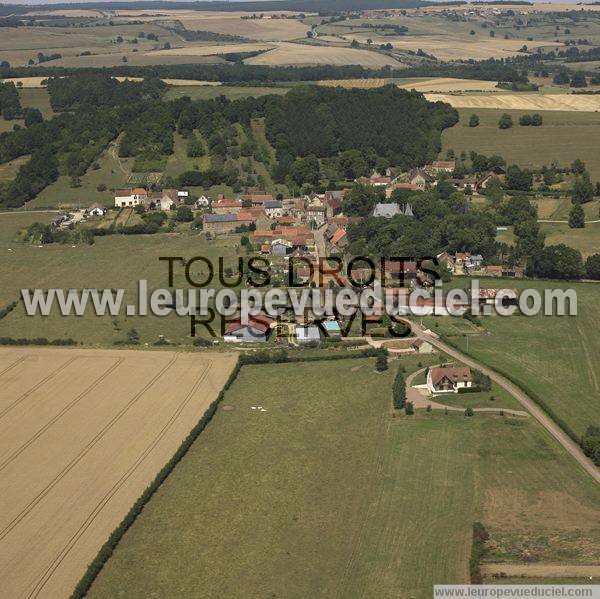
[(82, 434), (561, 102), (306, 54)]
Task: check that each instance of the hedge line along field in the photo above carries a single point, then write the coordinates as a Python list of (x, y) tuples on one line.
[(563, 137), (324, 492), (113, 262), (554, 356), (82, 433)]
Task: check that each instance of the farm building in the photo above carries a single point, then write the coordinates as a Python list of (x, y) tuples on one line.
[(96, 210), (422, 347), (220, 223), (130, 197), (449, 380)]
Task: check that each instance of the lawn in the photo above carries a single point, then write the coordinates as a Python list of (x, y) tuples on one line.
[(113, 262), (556, 356), (562, 138), (325, 494)]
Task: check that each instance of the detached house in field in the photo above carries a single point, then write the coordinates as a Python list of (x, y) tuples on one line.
[(449, 380), (130, 197), (256, 331)]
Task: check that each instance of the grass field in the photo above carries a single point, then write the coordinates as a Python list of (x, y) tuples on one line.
[(326, 482), (562, 138), (586, 240), (91, 429), (555, 356), (116, 261), (231, 91), (112, 172)]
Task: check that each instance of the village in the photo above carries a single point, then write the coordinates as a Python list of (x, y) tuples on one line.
[(303, 237)]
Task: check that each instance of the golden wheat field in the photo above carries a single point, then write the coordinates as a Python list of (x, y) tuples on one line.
[(304, 54), (82, 433), (564, 102), (352, 83), (449, 84), (456, 48), (211, 50), (231, 23)]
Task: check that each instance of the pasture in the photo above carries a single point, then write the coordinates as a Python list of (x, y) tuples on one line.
[(83, 433), (113, 262), (326, 481), (555, 356), (586, 240), (563, 137)]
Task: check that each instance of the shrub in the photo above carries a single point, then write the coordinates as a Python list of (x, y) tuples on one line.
[(409, 408), (381, 363), (469, 412)]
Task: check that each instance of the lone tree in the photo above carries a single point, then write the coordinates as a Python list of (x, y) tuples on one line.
[(409, 408), (505, 121), (577, 217), (399, 390), (474, 121)]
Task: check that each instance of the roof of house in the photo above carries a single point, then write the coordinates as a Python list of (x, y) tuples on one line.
[(123, 193), (139, 191), (260, 322), (219, 218), (226, 204), (338, 235), (386, 210), (310, 333), (273, 204), (96, 205), (257, 197), (460, 374), (443, 164)]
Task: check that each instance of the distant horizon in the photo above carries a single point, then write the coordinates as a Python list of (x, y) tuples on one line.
[(52, 2)]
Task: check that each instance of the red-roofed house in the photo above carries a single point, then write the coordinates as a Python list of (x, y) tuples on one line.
[(256, 331)]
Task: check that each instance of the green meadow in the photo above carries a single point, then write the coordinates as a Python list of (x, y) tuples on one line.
[(328, 494), (563, 137)]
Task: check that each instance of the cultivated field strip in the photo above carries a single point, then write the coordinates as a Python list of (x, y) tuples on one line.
[(563, 102), (85, 444)]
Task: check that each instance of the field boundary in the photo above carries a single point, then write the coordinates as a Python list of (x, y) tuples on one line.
[(255, 358)]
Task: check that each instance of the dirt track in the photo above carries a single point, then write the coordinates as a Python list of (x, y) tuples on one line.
[(82, 433)]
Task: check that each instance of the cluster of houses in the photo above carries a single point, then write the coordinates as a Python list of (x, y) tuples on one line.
[(420, 179), (155, 200), (465, 263)]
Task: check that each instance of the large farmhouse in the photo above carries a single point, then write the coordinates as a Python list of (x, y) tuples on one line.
[(449, 380)]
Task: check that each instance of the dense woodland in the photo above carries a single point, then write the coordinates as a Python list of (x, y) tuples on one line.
[(242, 74), (333, 132)]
